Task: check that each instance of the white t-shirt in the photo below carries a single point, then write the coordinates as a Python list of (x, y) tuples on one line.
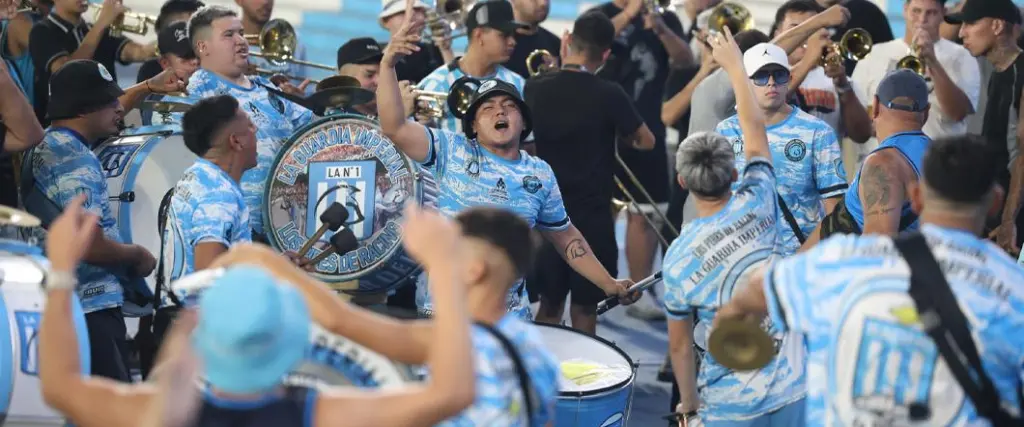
[(958, 63), (821, 99)]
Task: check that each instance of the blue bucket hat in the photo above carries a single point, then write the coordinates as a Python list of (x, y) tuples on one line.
[(252, 331)]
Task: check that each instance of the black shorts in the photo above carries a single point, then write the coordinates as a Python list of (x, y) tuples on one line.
[(554, 279), (650, 168), (109, 344)]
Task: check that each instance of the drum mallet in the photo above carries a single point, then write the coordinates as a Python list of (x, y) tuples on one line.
[(641, 286), (332, 218), (342, 242)]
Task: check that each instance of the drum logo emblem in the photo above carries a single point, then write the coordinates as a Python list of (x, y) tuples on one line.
[(28, 332), (115, 158), (346, 182)]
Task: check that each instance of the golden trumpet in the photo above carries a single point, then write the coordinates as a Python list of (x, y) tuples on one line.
[(855, 45), (546, 65), (277, 42), (733, 16), (128, 22), (436, 101), (912, 62)]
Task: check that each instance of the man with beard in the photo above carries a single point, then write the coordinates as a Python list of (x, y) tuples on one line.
[(256, 14), (217, 38), (87, 107), (485, 166), (990, 30), (533, 36), (64, 36)]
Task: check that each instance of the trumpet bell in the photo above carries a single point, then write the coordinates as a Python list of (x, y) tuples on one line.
[(730, 15), (277, 41), (741, 345), (912, 63), (856, 44), (544, 65)]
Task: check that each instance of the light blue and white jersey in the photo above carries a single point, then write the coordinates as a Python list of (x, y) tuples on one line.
[(499, 396), (808, 169), (63, 167), (702, 269), (207, 207), (869, 358), (276, 120), (1020, 260), (468, 175), (441, 80)]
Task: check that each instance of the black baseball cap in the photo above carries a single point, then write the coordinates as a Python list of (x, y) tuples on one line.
[(493, 14), (903, 90), (80, 87), (362, 50), (487, 89), (174, 39), (974, 10)]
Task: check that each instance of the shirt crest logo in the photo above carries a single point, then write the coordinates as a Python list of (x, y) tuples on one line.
[(499, 194), (532, 184), (796, 150)]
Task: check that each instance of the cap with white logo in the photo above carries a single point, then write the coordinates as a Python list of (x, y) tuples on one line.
[(763, 55)]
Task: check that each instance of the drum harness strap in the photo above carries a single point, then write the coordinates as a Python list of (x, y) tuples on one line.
[(791, 220), (529, 394), (945, 323), (161, 221)]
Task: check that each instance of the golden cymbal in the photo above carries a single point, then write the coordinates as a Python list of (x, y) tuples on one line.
[(741, 345), (169, 104), (11, 216)]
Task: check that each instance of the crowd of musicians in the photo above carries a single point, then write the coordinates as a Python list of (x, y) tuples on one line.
[(892, 298)]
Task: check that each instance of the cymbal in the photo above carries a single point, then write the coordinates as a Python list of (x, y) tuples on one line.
[(741, 345), (11, 216), (340, 97), (169, 104), (337, 81)]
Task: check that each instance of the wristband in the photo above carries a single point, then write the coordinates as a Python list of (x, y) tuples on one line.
[(844, 89), (60, 280)]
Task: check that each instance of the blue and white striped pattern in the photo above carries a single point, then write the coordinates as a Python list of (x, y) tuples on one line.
[(869, 358)]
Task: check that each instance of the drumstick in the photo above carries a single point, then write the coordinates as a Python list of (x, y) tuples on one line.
[(333, 218), (341, 242), (612, 302)]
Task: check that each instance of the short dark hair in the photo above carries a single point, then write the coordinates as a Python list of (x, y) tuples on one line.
[(172, 7), (962, 169), (750, 38), (940, 3), (593, 34), (201, 123), (794, 6), (503, 229), (203, 19)]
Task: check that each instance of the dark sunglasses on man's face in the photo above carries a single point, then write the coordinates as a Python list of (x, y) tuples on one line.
[(779, 75)]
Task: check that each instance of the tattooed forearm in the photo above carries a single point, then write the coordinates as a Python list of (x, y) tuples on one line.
[(876, 190), (576, 248)]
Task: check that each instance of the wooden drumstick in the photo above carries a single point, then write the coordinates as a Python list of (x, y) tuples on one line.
[(332, 218)]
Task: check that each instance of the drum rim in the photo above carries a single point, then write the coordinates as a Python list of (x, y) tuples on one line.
[(272, 238), (613, 387)]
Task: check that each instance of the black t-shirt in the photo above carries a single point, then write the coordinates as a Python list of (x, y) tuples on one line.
[(1001, 107), (577, 117), (865, 14), (54, 38), (420, 64), (8, 192), (526, 44), (148, 70), (677, 80)]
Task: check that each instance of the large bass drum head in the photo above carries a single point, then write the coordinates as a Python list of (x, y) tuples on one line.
[(346, 159)]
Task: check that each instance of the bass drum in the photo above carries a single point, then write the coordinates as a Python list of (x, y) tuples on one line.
[(348, 160), (331, 360), (141, 166), (22, 270)]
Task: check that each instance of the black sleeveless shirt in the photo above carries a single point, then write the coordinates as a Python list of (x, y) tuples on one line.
[(293, 408)]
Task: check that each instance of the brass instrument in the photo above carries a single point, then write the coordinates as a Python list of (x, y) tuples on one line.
[(655, 6), (741, 345), (730, 15), (128, 22), (271, 73), (855, 45), (546, 65), (277, 42), (912, 62), (27, 6), (634, 206), (436, 102), (448, 17)]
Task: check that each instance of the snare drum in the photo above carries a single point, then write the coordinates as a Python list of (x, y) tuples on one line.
[(141, 166), (332, 360), (608, 403), (22, 269), (347, 159)]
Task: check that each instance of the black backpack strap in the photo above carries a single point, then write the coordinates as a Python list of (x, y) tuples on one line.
[(945, 323), (529, 395), (161, 221), (791, 220)]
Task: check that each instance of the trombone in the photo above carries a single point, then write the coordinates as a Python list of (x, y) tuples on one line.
[(733, 16), (271, 73), (912, 62), (855, 45), (546, 65), (632, 204), (139, 22), (277, 42)]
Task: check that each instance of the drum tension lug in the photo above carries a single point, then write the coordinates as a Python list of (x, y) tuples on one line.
[(126, 197)]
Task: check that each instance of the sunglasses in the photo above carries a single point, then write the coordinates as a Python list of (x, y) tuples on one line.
[(779, 75)]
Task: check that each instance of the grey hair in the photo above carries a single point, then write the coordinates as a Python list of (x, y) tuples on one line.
[(203, 19), (706, 163)]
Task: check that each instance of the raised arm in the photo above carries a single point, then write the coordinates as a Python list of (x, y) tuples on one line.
[(795, 37), (727, 54), (408, 135), (23, 130)]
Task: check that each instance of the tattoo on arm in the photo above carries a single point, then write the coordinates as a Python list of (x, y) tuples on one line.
[(876, 187), (576, 248)]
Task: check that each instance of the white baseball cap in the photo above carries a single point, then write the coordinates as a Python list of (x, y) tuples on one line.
[(392, 7), (764, 54)]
